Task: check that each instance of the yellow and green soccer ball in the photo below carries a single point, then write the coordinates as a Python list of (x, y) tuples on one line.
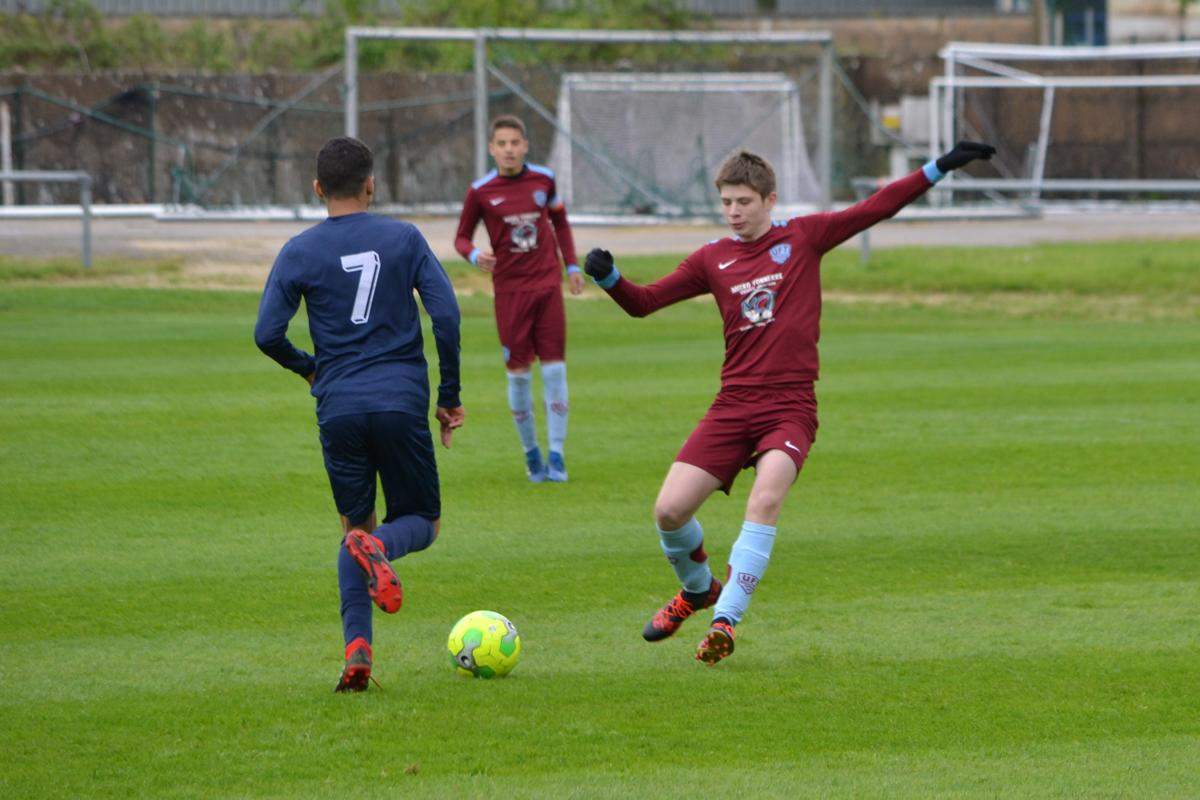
[(484, 644)]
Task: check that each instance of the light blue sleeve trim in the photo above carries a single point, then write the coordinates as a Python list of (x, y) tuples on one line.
[(573, 268), (611, 280), (484, 179), (932, 172), (474, 256)]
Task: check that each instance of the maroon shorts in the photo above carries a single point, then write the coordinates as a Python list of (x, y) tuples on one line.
[(744, 423), (531, 324)]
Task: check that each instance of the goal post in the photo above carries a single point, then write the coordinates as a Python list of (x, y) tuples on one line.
[(1113, 118), (491, 77)]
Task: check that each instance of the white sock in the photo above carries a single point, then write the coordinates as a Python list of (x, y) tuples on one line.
[(685, 550), (554, 377), (520, 401), (747, 563)]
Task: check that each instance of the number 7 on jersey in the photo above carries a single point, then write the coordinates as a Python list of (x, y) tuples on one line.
[(367, 264)]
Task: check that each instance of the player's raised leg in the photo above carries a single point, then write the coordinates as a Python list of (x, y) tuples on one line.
[(776, 472), (684, 490), (408, 473)]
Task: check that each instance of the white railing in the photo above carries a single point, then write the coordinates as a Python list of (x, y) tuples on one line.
[(85, 197)]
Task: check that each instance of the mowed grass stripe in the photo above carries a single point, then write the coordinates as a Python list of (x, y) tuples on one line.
[(1048, 620)]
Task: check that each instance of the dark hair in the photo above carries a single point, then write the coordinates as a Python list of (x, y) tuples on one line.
[(747, 169), (343, 166), (506, 121)]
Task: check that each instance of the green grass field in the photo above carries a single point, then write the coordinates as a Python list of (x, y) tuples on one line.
[(986, 583)]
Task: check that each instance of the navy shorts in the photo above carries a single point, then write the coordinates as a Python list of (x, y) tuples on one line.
[(394, 445)]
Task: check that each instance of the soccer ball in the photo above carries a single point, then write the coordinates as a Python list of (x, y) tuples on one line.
[(484, 644)]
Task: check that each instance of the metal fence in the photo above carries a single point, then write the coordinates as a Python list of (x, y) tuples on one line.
[(716, 8), (846, 8), (178, 8)]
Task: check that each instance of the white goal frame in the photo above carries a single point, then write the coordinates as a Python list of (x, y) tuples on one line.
[(83, 179), (971, 65), (481, 36)]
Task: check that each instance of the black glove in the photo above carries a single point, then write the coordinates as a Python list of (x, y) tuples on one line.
[(964, 153), (599, 264)]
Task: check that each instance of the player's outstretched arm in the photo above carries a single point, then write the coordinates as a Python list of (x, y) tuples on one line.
[(638, 301), (831, 229), (963, 153)]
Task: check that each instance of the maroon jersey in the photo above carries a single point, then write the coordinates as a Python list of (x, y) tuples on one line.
[(769, 290), (526, 224)]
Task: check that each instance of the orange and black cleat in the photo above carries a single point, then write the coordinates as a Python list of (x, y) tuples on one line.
[(716, 644), (356, 675), (667, 619), (382, 583)]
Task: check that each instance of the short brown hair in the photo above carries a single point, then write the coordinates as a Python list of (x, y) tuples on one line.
[(507, 121), (747, 169)]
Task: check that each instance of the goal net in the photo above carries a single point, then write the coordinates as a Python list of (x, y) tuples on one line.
[(653, 142)]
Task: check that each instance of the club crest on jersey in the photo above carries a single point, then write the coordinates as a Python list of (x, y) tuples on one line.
[(759, 306), (539, 197), (747, 581), (524, 236), (780, 253)]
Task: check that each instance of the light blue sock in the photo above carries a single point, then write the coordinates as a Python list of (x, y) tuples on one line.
[(747, 563), (520, 401), (554, 378), (685, 550)]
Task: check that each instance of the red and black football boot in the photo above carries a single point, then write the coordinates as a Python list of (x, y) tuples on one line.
[(382, 583), (356, 675), (668, 618), (716, 644)]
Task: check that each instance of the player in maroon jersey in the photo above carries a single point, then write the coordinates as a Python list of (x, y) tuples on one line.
[(527, 226), (766, 281)]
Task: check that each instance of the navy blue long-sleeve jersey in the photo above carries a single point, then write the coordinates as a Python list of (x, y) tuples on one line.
[(357, 274)]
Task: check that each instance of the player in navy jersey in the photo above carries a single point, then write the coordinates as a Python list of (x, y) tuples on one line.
[(527, 227), (766, 281), (356, 273)]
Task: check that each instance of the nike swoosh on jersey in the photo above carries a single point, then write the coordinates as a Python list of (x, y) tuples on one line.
[(788, 442), (724, 264), (496, 201)]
